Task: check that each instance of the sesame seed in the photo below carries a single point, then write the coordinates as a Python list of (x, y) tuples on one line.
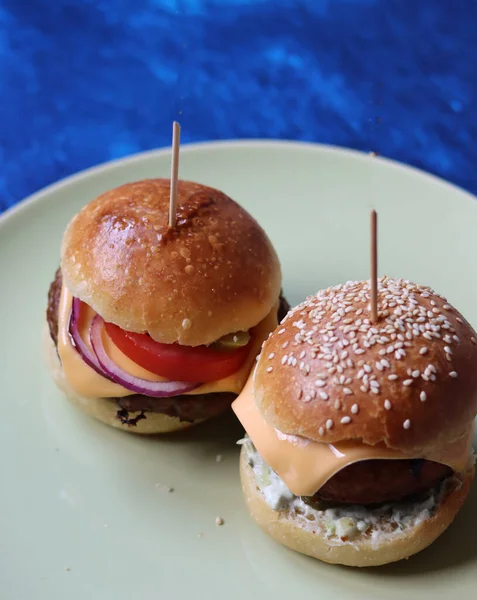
[(320, 383), (423, 396), (423, 351), (447, 349), (269, 369), (392, 377), (453, 374), (387, 405), (459, 320), (416, 374), (406, 424), (355, 409), (385, 363), (329, 424), (281, 331), (186, 324), (407, 382), (347, 391), (337, 404), (219, 521), (323, 395), (270, 356), (345, 420), (321, 431)]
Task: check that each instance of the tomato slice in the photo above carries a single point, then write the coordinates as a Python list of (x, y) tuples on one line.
[(175, 362)]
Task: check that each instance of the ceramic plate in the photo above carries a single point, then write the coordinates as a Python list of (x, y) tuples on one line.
[(84, 509)]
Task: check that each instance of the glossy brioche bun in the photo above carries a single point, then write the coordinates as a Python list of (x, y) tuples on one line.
[(214, 273), (284, 527), (102, 409), (416, 407)]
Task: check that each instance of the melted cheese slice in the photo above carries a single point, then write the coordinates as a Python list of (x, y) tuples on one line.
[(86, 382), (305, 466)]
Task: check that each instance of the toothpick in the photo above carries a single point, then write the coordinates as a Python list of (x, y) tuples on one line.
[(374, 266), (176, 141)]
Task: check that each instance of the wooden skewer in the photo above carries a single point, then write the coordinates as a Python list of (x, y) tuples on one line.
[(374, 266), (176, 142)]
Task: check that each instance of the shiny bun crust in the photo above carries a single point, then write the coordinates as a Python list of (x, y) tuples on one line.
[(284, 528), (409, 381), (214, 273), (102, 409)]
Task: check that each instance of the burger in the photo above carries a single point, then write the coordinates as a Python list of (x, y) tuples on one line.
[(359, 434), (152, 328)]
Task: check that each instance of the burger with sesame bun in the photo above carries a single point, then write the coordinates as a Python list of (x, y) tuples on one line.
[(359, 434), (153, 328)]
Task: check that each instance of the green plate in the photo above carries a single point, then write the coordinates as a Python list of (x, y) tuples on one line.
[(84, 512)]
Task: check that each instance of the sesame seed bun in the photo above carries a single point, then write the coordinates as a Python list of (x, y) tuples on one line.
[(286, 528), (214, 273), (409, 381), (102, 409)]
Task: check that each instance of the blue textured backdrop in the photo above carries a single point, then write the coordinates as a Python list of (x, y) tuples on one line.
[(84, 81)]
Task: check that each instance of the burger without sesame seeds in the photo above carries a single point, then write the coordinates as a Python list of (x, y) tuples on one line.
[(153, 328), (359, 445)]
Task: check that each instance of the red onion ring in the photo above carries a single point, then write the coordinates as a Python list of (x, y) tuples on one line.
[(154, 389), (77, 341)]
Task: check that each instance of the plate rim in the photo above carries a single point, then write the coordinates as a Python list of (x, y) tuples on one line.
[(226, 143)]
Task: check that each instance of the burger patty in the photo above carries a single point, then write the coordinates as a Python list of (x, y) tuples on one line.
[(54, 294), (185, 408), (378, 481)]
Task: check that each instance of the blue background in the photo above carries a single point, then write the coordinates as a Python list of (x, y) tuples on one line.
[(85, 81)]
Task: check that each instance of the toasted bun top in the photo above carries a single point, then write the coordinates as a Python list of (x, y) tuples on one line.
[(409, 381), (214, 273)]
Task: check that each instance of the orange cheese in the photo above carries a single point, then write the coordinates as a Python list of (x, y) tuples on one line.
[(86, 382), (305, 466)]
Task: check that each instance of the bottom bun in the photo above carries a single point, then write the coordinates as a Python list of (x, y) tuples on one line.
[(307, 537), (105, 410)]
